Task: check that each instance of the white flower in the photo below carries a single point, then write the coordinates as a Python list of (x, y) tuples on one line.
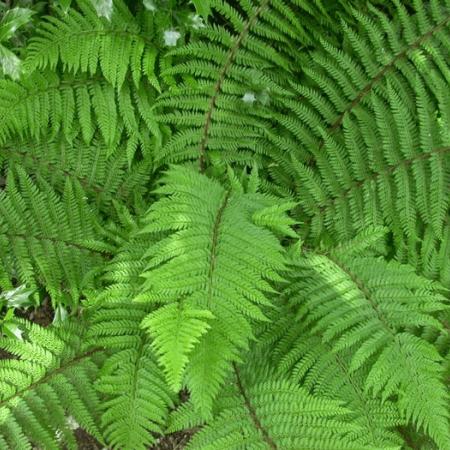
[(150, 5), (72, 423), (104, 8), (171, 37), (11, 65), (249, 97), (197, 21)]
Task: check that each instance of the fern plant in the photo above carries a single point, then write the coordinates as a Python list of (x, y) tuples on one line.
[(238, 211)]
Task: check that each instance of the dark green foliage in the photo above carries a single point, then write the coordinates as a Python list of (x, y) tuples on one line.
[(239, 212)]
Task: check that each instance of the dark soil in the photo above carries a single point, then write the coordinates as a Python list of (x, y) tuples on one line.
[(42, 316), (86, 441)]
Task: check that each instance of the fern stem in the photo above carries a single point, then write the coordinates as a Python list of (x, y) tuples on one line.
[(269, 441), (214, 242), (381, 74), (222, 74), (407, 438)]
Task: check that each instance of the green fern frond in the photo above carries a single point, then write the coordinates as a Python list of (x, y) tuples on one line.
[(235, 78), (136, 397), (83, 42), (47, 240), (101, 176), (276, 414), (50, 380), (45, 104), (213, 268), (371, 307), (304, 358)]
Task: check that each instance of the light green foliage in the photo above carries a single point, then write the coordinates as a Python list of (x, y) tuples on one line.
[(52, 373), (238, 212), (215, 264)]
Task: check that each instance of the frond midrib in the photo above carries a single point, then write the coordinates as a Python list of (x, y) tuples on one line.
[(50, 375), (221, 78), (252, 412), (374, 176), (381, 74)]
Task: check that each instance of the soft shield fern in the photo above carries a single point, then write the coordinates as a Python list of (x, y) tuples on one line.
[(210, 274), (232, 220)]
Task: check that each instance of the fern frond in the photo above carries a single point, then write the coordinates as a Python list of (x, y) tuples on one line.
[(304, 358), (102, 176), (50, 380), (136, 396), (213, 268), (45, 104), (47, 240), (83, 42), (370, 307), (274, 413), (236, 77), (381, 152)]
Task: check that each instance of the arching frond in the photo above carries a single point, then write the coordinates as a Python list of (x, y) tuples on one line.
[(136, 397), (370, 308), (236, 77), (47, 240), (275, 414), (102, 176), (84, 42), (49, 383), (45, 104)]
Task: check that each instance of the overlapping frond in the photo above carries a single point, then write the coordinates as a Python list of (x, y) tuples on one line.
[(373, 118), (392, 167), (302, 356), (102, 176), (236, 76), (136, 398), (371, 308), (275, 414), (210, 274), (46, 386), (49, 240), (45, 104), (84, 42)]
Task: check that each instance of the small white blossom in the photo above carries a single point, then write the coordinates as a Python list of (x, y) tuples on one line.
[(11, 65), (171, 37), (104, 8), (72, 423), (150, 5), (197, 21), (249, 97)]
